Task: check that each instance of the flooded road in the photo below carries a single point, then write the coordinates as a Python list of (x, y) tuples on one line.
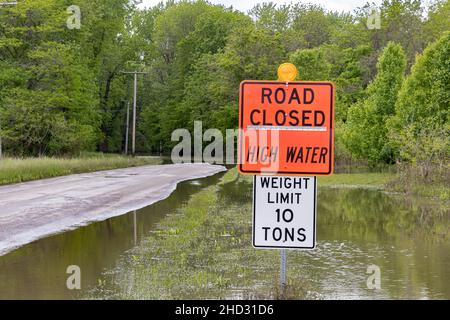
[(143, 255), (38, 270), (35, 209)]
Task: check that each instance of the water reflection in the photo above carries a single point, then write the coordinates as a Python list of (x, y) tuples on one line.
[(407, 239), (38, 270)]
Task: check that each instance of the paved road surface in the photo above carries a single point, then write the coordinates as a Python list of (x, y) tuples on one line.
[(32, 210)]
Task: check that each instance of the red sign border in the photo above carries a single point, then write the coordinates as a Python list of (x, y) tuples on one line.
[(241, 115)]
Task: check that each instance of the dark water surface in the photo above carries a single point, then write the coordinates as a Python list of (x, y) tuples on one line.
[(408, 240)]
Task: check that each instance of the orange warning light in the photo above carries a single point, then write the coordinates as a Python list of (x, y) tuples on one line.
[(287, 72)]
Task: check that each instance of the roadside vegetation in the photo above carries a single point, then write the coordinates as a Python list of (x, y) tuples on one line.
[(375, 180), (389, 180), (14, 170), (406, 181)]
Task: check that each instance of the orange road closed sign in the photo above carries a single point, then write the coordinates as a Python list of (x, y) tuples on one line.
[(286, 128)]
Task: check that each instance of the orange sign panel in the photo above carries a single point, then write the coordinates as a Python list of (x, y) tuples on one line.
[(286, 128)]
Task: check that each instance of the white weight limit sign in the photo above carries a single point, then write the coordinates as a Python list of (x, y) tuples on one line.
[(284, 212)]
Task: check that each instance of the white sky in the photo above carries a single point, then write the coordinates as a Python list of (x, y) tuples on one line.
[(245, 5)]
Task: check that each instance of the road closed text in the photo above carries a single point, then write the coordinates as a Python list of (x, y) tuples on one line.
[(286, 128)]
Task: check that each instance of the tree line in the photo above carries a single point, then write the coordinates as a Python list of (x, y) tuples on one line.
[(62, 90)]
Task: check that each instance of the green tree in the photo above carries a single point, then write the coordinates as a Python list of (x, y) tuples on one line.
[(312, 64), (49, 103), (197, 31), (269, 17), (366, 130), (348, 73), (57, 112), (401, 22), (420, 129), (250, 53), (70, 73), (438, 20), (313, 23)]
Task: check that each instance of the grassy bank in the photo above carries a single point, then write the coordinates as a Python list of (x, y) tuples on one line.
[(432, 181), (372, 180), (389, 181), (405, 180), (14, 170), (376, 180)]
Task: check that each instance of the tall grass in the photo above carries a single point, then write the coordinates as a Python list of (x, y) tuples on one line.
[(13, 170), (377, 180), (428, 181)]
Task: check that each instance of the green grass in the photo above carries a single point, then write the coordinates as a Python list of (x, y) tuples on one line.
[(438, 191), (437, 188), (386, 181), (14, 170), (373, 180), (377, 180)]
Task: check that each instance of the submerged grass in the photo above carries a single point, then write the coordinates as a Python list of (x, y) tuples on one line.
[(202, 252), (14, 170)]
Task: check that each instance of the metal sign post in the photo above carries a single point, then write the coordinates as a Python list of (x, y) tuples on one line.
[(283, 272), (284, 216)]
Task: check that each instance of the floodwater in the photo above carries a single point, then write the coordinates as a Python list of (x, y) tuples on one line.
[(38, 270), (359, 231)]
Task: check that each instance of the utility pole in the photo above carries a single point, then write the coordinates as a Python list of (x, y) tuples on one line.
[(133, 143), (133, 129), (127, 131)]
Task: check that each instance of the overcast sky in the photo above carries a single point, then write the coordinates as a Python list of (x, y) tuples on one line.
[(245, 5)]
